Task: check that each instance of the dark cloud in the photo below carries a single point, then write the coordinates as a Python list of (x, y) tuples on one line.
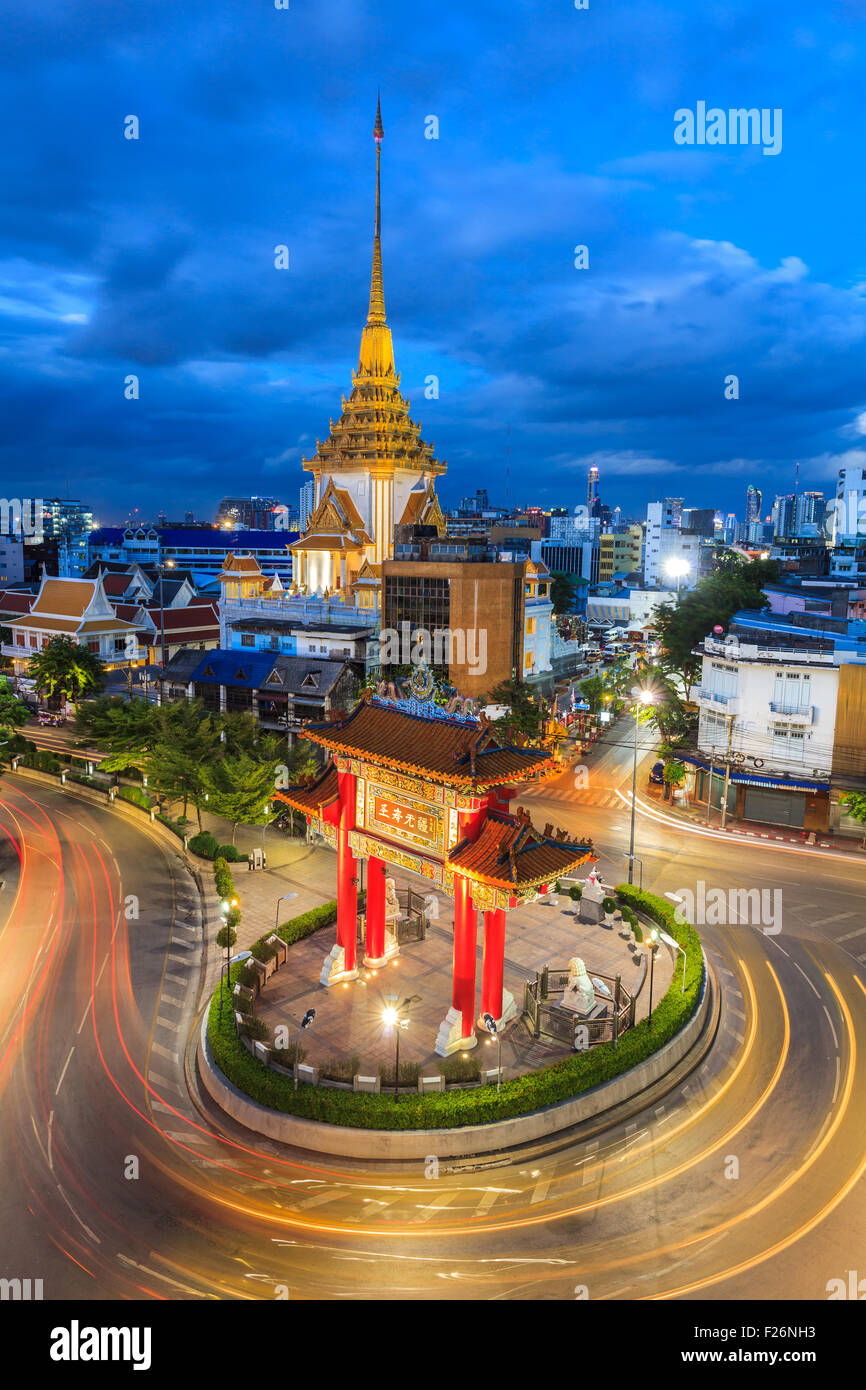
[(157, 256)]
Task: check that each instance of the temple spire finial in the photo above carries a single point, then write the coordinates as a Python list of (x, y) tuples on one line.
[(376, 312)]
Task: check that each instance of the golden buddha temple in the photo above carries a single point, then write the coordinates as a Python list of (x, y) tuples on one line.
[(373, 471)]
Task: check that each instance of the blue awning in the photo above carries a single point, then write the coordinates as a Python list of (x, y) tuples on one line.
[(742, 778)]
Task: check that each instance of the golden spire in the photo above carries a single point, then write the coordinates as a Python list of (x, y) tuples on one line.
[(377, 349), (376, 312)]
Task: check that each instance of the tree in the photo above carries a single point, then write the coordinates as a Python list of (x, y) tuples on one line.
[(13, 712), (683, 626), (855, 805), (118, 725), (186, 743), (241, 789), (563, 592), (64, 668), (523, 717), (593, 691)]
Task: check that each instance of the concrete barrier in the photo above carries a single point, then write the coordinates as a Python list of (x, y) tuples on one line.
[(450, 1143)]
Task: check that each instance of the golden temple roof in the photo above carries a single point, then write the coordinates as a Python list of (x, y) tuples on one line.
[(374, 430)]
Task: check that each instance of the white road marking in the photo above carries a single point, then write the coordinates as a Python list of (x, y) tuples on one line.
[(164, 1052), (167, 1023), (65, 1065), (540, 1190), (850, 934), (832, 1029), (156, 1080), (176, 980)]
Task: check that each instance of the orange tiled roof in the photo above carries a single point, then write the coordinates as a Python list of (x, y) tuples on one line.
[(65, 598), (510, 853), (448, 750), (312, 800)]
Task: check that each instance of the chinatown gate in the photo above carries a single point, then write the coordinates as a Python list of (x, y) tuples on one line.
[(427, 789)]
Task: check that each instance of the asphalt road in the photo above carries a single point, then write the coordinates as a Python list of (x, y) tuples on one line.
[(741, 1183)]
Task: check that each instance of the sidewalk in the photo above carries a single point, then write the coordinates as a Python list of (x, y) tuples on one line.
[(696, 814)]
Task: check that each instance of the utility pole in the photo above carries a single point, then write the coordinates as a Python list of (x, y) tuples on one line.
[(731, 718), (710, 788)]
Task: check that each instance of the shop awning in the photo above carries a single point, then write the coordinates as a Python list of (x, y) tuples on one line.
[(744, 778)]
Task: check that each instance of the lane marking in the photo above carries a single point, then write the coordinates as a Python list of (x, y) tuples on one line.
[(65, 1065)]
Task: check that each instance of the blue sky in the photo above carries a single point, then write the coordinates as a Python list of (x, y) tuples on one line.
[(155, 256)]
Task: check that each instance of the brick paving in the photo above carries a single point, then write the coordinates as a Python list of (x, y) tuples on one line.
[(348, 1018)]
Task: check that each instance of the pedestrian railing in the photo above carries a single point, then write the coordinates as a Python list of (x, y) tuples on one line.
[(612, 1013)]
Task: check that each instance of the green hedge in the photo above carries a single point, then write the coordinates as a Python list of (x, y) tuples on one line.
[(135, 795), (481, 1105)]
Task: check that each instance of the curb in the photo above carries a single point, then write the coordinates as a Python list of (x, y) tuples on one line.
[(458, 1142)]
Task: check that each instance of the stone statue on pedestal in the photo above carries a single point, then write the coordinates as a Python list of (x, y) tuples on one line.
[(578, 994), (591, 899), (392, 906)]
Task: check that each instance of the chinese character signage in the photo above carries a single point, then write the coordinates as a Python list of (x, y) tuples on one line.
[(404, 819)]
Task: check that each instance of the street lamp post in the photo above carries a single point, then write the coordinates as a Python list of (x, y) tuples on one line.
[(162, 569), (653, 945), (641, 697), (391, 1019), (305, 1023), (490, 1024), (281, 899)]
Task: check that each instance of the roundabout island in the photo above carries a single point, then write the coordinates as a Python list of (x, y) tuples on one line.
[(592, 995)]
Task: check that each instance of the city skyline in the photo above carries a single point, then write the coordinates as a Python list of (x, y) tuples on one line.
[(155, 257)]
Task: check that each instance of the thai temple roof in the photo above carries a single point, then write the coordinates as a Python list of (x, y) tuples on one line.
[(374, 429)]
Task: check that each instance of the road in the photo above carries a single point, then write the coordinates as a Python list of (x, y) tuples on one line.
[(119, 1184)]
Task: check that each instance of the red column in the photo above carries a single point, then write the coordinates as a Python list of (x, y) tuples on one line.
[(375, 909), (465, 948), (347, 887), (494, 962)]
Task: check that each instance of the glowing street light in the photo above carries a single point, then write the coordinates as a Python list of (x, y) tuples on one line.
[(677, 569)]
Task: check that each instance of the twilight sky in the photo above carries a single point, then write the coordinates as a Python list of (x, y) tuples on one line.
[(556, 125)]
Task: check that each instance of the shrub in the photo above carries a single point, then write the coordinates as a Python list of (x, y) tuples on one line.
[(409, 1074), (248, 976), (341, 1068), (263, 951), (257, 1029), (230, 853), (204, 844), (459, 1068), (135, 795), (557, 887), (575, 892), (177, 827), (480, 1105), (226, 938), (47, 762), (608, 904)]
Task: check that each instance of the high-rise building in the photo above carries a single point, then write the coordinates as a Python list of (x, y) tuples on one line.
[(754, 499), (784, 516), (809, 514), (591, 489), (246, 513), (70, 522), (307, 501)]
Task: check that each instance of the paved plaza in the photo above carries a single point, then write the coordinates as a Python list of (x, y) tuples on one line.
[(348, 1018)]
